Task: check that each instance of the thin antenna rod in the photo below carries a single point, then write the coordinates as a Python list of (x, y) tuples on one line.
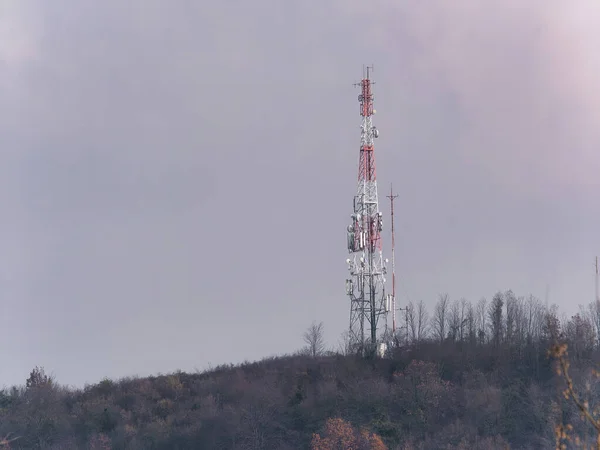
[(392, 197), (597, 298)]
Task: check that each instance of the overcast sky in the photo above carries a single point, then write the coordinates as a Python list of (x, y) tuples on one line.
[(176, 177)]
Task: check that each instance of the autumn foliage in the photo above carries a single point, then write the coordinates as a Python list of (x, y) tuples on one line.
[(340, 435)]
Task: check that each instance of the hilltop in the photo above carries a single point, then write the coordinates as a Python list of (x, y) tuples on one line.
[(469, 390)]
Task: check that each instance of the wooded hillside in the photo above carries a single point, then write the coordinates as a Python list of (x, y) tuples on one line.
[(469, 377)]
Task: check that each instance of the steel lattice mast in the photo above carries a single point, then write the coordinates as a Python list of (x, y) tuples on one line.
[(366, 287)]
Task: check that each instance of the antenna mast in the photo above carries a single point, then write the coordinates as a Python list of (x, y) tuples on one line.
[(597, 298), (366, 285), (392, 197)]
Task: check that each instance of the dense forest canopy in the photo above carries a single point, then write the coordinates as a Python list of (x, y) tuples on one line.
[(462, 376)]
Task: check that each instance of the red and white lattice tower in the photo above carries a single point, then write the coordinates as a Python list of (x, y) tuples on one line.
[(369, 305)]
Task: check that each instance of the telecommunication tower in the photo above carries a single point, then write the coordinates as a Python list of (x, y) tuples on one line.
[(366, 286)]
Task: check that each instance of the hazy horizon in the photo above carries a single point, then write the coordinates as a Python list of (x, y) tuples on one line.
[(177, 177)]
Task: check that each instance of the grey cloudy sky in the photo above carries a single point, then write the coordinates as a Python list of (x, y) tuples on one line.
[(176, 177)]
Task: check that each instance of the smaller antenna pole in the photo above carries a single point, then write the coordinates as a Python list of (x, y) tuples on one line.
[(406, 317), (406, 335), (597, 298), (392, 197)]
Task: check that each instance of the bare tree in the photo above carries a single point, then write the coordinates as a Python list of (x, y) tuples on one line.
[(520, 324), (411, 319), (534, 319), (471, 324), (454, 321), (481, 320), (417, 318), (440, 317), (463, 318), (594, 315), (313, 337), (580, 333), (551, 326), (422, 320), (344, 343), (496, 319), (511, 312), (38, 378)]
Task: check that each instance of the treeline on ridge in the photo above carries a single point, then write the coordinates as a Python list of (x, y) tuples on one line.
[(463, 376)]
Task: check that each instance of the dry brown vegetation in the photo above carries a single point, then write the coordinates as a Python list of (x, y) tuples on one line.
[(566, 435)]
